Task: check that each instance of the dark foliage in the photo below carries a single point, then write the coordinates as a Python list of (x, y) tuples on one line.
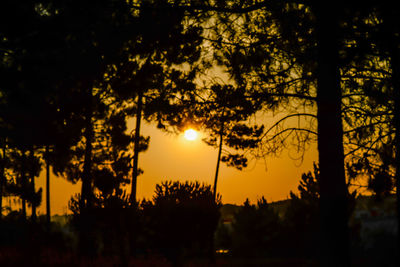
[(257, 231), (181, 220), (71, 71), (302, 216), (179, 224), (110, 227)]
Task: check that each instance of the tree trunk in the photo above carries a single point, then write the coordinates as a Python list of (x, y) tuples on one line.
[(135, 167), (86, 191), (390, 21), (218, 161), (86, 243), (333, 191), (48, 214), (395, 65), (396, 120), (23, 184), (2, 177), (32, 177)]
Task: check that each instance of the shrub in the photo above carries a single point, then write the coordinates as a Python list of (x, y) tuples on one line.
[(256, 230), (181, 220)]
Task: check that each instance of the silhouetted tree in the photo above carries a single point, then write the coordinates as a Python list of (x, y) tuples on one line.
[(56, 62), (376, 78), (104, 145), (158, 71), (182, 219), (30, 108), (301, 216), (256, 230), (3, 176), (289, 53), (111, 225), (224, 114), (390, 44)]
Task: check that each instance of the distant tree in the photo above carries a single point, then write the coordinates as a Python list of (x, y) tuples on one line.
[(302, 215), (256, 230), (22, 170), (22, 119), (112, 226)]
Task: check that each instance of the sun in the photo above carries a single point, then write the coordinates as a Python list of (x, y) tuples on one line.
[(190, 134)]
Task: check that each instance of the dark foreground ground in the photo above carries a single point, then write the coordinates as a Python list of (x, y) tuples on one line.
[(9, 259), (49, 257)]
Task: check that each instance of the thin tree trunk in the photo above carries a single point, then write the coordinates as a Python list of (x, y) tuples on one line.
[(221, 140), (221, 137), (23, 184), (86, 190), (221, 134), (32, 177), (333, 190), (2, 177), (48, 214), (135, 167)]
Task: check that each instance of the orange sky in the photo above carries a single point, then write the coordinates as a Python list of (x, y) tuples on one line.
[(171, 157)]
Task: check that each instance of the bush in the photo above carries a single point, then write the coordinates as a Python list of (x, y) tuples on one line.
[(256, 230), (109, 227), (181, 220)]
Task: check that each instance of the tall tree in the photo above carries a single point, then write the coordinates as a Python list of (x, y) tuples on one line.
[(85, 63), (224, 111), (157, 72), (135, 168), (288, 53), (376, 83), (390, 44), (333, 191), (31, 110)]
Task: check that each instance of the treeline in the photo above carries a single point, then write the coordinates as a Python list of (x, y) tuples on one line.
[(177, 225), (287, 232), (182, 225), (73, 72), (263, 231)]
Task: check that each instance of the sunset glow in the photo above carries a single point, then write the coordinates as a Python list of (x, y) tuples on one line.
[(190, 134)]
